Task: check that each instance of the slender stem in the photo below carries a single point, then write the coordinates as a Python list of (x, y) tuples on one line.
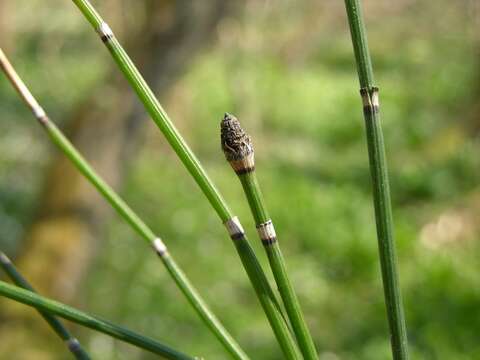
[(239, 152), (159, 116), (381, 188), (71, 342), (53, 307), (125, 212), (277, 263)]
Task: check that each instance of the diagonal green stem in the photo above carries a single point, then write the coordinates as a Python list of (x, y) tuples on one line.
[(53, 307), (381, 188), (278, 266), (70, 341), (238, 149), (125, 212), (159, 116)]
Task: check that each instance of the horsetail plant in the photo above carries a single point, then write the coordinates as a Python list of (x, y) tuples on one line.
[(238, 149), (125, 212), (381, 188), (46, 305), (251, 264), (71, 342)]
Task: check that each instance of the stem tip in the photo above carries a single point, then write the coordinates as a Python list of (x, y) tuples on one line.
[(236, 144)]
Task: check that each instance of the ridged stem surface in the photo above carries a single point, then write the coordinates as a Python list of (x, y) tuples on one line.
[(380, 183), (278, 266)]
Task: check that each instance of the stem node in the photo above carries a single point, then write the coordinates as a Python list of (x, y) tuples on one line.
[(370, 100)]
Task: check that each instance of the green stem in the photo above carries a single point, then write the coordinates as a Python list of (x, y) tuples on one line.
[(159, 116), (125, 212), (379, 174), (278, 266), (71, 342), (53, 307), (271, 308), (238, 149)]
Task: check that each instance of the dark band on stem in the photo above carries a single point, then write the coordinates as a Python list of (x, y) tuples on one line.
[(370, 100), (243, 169), (237, 236), (269, 242)]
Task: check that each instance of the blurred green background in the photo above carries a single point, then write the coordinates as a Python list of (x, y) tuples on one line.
[(285, 69)]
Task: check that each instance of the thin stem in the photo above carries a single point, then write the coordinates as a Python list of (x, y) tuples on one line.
[(380, 183), (277, 263), (159, 116), (239, 152), (70, 341), (125, 212), (53, 307)]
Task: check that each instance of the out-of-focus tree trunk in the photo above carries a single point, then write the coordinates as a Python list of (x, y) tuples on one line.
[(106, 128)]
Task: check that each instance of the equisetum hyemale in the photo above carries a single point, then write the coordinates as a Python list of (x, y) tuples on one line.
[(238, 149)]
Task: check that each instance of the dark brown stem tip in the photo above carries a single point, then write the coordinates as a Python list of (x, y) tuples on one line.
[(236, 144)]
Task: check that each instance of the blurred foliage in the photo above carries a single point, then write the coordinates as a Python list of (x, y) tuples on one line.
[(286, 70)]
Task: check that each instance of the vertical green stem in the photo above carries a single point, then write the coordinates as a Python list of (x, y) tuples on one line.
[(160, 117), (71, 342), (239, 152), (53, 307), (379, 174), (124, 211)]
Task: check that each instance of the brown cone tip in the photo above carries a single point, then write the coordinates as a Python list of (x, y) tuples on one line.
[(236, 144)]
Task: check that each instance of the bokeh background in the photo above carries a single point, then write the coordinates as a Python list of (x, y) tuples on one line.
[(285, 68)]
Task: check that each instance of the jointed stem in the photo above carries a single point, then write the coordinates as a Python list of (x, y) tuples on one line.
[(379, 174), (159, 116), (277, 263), (53, 307), (125, 212), (239, 152), (71, 342)]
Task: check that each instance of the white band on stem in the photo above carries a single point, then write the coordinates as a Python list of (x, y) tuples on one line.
[(4, 259), (159, 246), (104, 31), (375, 98), (266, 231), (73, 344), (39, 113)]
